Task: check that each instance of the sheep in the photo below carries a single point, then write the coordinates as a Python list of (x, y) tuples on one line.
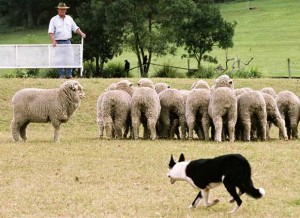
[(289, 107), (32, 105), (145, 108), (273, 116), (200, 84), (115, 109), (242, 90), (172, 107), (270, 91), (197, 108), (252, 110), (99, 110), (222, 107), (159, 87)]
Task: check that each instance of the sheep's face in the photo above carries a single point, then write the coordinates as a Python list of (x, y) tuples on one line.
[(75, 87)]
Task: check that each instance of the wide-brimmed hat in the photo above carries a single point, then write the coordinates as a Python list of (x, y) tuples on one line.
[(62, 5)]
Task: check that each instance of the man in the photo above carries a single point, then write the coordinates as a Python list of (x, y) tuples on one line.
[(60, 31), (127, 67)]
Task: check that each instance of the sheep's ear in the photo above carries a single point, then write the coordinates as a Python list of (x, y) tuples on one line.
[(172, 162), (181, 158)]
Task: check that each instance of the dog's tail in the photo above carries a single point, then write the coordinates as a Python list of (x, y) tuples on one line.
[(255, 193)]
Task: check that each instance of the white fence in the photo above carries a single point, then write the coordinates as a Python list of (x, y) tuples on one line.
[(41, 56)]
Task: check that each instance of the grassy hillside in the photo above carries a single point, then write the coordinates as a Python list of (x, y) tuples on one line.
[(84, 176), (268, 33)]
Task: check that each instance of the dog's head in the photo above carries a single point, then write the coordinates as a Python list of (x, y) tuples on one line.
[(177, 170)]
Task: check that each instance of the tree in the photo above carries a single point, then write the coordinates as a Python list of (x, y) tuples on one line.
[(200, 30), (104, 37), (142, 20)]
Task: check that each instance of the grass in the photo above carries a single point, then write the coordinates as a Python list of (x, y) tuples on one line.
[(269, 34), (84, 176)]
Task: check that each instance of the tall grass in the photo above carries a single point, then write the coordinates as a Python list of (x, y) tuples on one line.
[(84, 176)]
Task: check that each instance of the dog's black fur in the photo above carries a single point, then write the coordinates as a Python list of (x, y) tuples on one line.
[(232, 169)]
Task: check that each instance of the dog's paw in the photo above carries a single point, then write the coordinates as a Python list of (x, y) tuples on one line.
[(231, 200), (213, 202), (191, 206)]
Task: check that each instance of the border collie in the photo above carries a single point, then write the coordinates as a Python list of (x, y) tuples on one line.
[(233, 170)]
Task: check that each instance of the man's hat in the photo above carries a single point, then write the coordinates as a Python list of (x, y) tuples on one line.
[(62, 5)]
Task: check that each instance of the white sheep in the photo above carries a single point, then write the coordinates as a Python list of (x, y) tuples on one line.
[(159, 87), (223, 107), (289, 107), (197, 113), (99, 108), (32, 105), (274, 117), (115, 109), (145, 108), (252, 111), (172, 108), (270, 91)]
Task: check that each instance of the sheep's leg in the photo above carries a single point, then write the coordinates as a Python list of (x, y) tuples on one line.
[(294, 128), (15, 130), (279, 122), (152, 127), (218, 123), (182, 122), (246, 121), (262, 117), (108, 124), (191, 124), (101, 128), (119, 124), (205, 126), (56, 131), (23, 131), (136, 123), (231, 130)]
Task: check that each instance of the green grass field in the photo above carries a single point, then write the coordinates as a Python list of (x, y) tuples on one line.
[(84, 176), (269, 33)]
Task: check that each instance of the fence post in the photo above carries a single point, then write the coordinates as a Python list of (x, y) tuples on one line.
[(289, 67)]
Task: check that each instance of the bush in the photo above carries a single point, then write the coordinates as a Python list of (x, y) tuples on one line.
[(114, 70), (49, 73), (168, 71), (243, 73), (208, 72)]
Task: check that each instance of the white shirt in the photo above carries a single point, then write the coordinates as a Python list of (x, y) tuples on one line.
[(62, 28)]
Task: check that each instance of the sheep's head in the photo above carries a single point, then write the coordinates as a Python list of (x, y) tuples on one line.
[(224, 81), (74, 87), (146, 83), (200, 84), (125, 85), (159, 87)]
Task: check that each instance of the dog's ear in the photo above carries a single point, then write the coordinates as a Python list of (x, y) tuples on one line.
[(172, 162), (181, 158)]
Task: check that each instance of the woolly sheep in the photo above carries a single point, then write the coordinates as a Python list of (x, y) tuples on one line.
[(172, 107), (252, 108), (159, 87), (289, 107), (197, 112), (270, 91), (116, 108), (32, 105), (145, 107), (200, 84), (99, 110), (223, 103), (273, 116), (242, 90)]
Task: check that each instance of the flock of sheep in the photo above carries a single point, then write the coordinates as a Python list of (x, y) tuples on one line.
[(219, 112)]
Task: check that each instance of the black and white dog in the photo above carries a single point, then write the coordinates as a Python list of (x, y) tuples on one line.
[(233, 170)]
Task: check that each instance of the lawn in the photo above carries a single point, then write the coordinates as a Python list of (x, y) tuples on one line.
[(268, 33), (84, 176)]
